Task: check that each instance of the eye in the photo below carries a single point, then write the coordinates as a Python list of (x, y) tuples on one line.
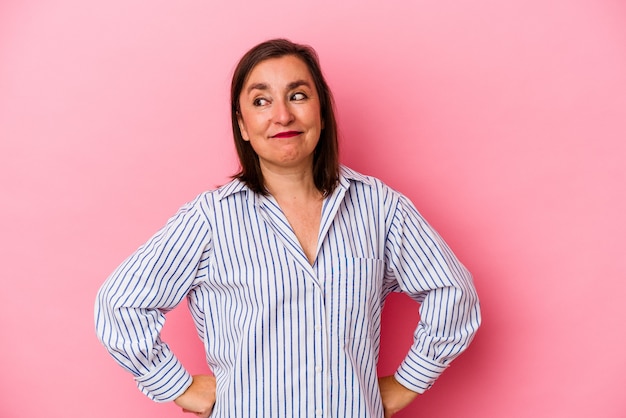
[(260, 101), (298, 96)]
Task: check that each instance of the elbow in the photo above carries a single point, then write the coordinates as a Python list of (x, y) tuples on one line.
[(103, 314), (471, 311)]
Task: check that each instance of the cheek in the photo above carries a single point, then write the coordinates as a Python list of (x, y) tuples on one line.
[(320, 124), (251, 125), (317, 118)]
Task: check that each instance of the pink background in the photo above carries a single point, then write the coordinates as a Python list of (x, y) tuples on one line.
[(504, 121)]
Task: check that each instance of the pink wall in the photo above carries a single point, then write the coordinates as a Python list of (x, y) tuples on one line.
[(504, 121)]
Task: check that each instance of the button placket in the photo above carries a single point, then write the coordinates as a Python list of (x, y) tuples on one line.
[(321, 361)]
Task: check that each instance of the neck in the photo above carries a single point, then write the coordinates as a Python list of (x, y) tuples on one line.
[(291, 184)]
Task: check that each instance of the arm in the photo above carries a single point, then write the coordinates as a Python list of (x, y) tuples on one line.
[(131, 305), (420, 264)]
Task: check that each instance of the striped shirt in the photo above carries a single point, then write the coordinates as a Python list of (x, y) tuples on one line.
[(285, 338)]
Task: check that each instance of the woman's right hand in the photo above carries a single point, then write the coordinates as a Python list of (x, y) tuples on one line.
[(199, 398)]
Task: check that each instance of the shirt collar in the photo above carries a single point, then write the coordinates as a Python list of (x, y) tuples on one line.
[(234, 186), (346, 176)]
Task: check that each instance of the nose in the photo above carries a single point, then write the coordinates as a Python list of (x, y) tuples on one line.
[(281, 113)]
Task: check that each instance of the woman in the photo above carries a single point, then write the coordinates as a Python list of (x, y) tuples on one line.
[(286, 269)]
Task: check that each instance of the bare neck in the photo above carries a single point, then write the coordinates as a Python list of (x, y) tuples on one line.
[(291, 186)]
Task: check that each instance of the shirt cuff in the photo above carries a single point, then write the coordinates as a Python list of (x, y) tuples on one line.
[(167, 382), (418, 373)]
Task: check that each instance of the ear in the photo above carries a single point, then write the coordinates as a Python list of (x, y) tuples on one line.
[(242, 127)]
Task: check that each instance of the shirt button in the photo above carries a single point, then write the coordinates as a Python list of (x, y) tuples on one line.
[(318, 369), (318, 327), (319, 412)]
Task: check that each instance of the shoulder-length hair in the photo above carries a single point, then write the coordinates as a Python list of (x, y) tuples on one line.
[(326, 153)]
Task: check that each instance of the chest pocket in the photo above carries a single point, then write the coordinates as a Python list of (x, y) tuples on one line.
[(354, 297)]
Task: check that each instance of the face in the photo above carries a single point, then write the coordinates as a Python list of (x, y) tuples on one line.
[(280, 114)]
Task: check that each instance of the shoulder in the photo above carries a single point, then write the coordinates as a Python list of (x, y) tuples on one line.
[(378, 193)]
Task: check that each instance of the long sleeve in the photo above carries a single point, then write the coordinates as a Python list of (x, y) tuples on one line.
[(420, 264), (130, 305)]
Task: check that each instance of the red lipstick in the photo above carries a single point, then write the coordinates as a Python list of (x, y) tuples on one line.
[(286, 134)]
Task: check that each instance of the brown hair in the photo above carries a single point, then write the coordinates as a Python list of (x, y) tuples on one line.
[(326, 154)]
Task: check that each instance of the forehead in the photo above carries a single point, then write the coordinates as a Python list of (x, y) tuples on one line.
[(279, 72)]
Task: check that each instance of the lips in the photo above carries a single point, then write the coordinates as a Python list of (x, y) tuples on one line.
[(286, 134)]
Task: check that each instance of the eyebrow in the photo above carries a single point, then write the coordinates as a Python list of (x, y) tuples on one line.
[(290, 86), (298, 83), (256, 86)]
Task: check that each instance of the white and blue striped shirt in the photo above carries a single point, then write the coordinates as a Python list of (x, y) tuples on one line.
[(284, 338)]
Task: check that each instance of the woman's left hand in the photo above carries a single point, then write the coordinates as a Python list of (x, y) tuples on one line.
[(199, 398), (394, 396)]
